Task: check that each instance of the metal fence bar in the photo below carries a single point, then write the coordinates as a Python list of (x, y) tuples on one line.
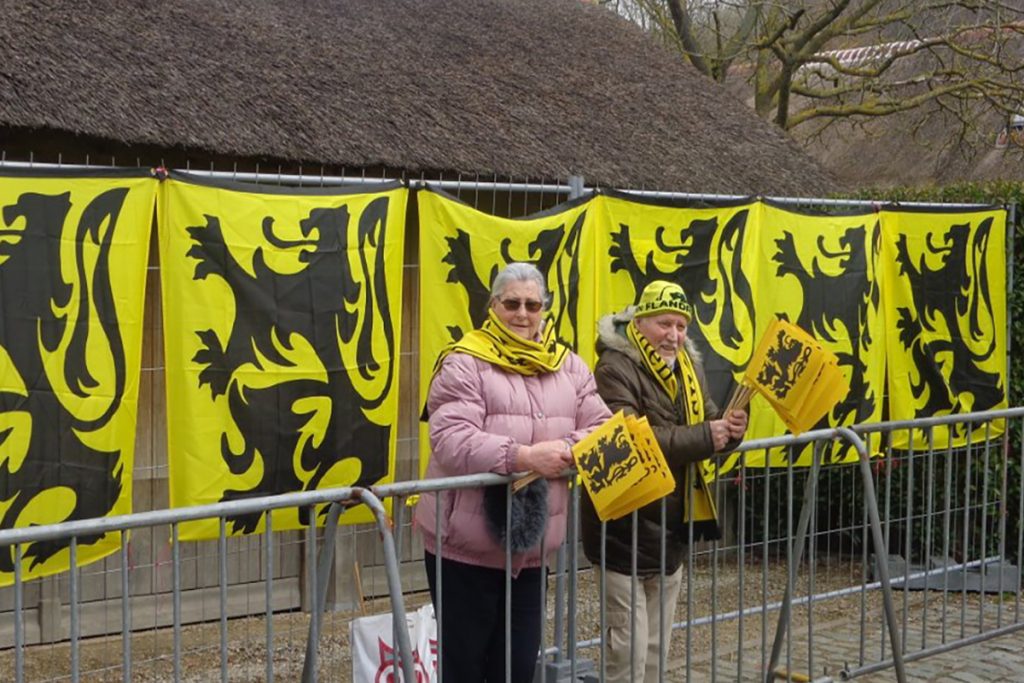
[(794, 555), (929, 503), (793, 201), (439, 602), (268, 584), (19, 616), (812, 553), (741, 514), (575, 187), (222, 567), (966, 528), (847, 674), (310, 670), (862, 645), (558, 627), (983, 519), (806, 599), (882, 559), (633, 645), (572, 582), (176, 599), (946, 523), (764, 563), (1020, 524), (508, 582), (73, 606), (908, 536), (126, 613), (876, 531), (1004, 471)]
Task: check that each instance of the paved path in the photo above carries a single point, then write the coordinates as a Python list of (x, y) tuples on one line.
[(837, 645)]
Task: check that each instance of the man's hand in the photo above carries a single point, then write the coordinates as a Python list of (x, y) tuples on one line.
[(737, 421), (719, 433), (547, 458), (732, 426)]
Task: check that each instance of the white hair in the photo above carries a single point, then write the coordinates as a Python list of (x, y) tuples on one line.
[(520, 272)]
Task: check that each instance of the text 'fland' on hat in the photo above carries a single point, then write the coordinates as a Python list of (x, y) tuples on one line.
[(660, 296)]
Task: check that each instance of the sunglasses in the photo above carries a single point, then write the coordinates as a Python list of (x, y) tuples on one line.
[(514, 304)]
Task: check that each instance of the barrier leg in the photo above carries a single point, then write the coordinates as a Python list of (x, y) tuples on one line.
[(798, 549), (324, 563)]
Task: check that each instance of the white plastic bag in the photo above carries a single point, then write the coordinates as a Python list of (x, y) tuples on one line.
[(374, 653)]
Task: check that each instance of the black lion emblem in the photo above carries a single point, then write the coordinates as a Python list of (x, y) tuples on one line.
[(324, 307), (956, 290), (43, 442)]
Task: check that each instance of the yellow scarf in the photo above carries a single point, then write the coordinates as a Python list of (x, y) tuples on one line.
[(705, 517), (693, 399), (496, 344)]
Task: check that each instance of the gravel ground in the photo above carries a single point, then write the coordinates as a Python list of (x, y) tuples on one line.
[(719, 650)]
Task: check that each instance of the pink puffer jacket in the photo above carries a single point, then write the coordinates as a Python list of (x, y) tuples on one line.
[(479, 415)]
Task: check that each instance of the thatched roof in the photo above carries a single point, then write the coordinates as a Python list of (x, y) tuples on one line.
[(536, 89)]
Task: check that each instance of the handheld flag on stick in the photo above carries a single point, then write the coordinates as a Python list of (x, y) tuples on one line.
[(622, 466), (797, 375)]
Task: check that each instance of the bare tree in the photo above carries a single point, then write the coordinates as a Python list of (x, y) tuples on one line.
[(822, 60)]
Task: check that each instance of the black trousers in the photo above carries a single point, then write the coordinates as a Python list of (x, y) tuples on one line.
[(472, 626)]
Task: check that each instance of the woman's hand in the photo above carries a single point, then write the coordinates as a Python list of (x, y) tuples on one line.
[(547, 458)]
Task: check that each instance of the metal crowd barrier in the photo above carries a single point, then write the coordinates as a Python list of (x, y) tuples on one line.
[(881, 563)]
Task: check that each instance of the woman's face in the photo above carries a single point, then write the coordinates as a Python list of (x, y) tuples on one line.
[(513, 308)]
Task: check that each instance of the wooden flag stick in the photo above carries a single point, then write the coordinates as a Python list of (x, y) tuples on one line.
[(519, 484), (744, 400), (732, 398)]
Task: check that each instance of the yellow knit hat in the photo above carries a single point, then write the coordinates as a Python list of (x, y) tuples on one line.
[(660, 296)]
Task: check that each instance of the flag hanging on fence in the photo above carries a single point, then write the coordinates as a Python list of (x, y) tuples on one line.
[(462, 250), (821, 273), (945, 309), (73, 251), (281, 310), (698, 248)]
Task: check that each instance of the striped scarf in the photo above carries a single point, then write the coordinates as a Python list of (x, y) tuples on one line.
[(496, 344), (696, 494), (693, 399)]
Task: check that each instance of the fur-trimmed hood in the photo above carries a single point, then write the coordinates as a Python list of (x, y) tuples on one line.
[(611, 334)]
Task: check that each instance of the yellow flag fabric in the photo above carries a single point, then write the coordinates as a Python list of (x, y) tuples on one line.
[(73, 257), (462, 249), (701, 249), (743, 264), (798, 377), (282, 311), (821, 273), (622, 466), (945, 309)]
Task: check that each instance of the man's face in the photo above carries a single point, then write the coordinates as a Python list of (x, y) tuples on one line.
[(666, 332)]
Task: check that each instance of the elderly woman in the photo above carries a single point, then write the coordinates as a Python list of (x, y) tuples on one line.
[(507, 397)]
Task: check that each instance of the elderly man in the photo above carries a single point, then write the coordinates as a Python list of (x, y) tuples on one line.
[(648, 367)]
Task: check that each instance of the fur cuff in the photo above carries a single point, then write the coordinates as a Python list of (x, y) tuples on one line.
[(529, 515)]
